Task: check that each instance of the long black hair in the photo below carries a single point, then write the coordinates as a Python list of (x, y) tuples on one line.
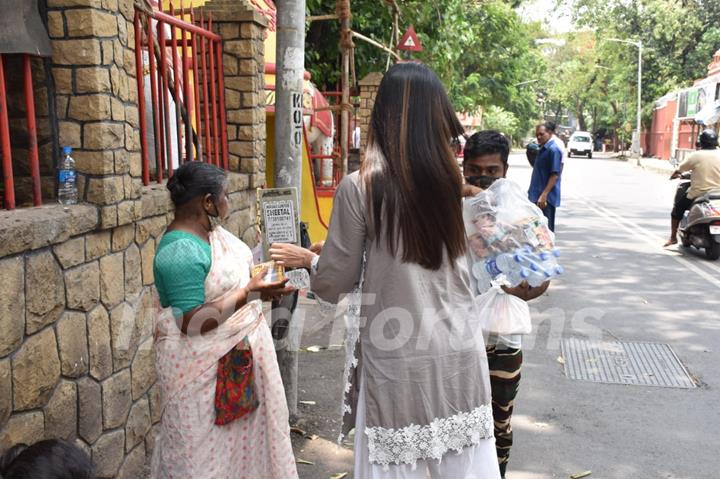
[(194, 179), (410, 170)]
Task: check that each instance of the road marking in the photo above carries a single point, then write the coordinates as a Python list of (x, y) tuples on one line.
[(650, 239)]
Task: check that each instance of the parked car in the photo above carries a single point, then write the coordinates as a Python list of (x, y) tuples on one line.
[(580, 144)]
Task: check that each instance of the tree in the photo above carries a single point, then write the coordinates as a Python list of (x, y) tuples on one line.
[(480, 50)]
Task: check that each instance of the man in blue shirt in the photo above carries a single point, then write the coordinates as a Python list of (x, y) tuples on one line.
[(545, 183)]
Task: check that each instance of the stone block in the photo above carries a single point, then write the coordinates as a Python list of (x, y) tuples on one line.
[(6, 405), (233, 99), (89, 22), (249, 67), (63, 80), (77, 52), (108, 216), (27, 428), (45, 297), (74, 3), (94, 162), (36, 371), (61, 105), (147, 256), (12, 304), (143, 369), (69, 133), (107, 48), (116, 399), (111, 5), (155, 403), (117, 109), (92, 80), (123, 334), (82, 286), (97, 245), (150, 228), (251, 31), (56, 24), (247, 116), (229, 30), (106, 190), (71, 253), (61, 412), (100, 343), (134, 465), (138, 424), (132, 138), (150, 439), (103, 135), (108, 454), (132, 116), (122, 161), (89, 108), (122, 236), (126, 212), (133, 268), (243, 84), (72, 342), (90, 414)]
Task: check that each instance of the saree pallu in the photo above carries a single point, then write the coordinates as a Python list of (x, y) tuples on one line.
[(189, 444)]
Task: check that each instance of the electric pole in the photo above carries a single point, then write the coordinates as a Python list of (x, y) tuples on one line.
[(289, 79)]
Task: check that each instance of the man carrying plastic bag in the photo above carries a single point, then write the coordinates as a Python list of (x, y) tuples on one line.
[(506, 232)]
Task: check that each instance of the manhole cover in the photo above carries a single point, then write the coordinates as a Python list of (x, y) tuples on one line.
[(642, 364)]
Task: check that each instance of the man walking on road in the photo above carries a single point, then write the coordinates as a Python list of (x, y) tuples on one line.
[(545, 183), (705, 167)]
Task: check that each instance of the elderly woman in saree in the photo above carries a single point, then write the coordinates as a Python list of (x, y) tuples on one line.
[(224, 413), (418, 393)]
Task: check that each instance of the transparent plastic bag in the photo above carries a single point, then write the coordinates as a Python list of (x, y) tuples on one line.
[(508, 237), (503, 314)]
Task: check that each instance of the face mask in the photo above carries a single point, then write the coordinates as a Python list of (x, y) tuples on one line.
[(482, 181), (214, 219)]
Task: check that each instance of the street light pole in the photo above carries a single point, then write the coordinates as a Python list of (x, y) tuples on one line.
[(638, 126)]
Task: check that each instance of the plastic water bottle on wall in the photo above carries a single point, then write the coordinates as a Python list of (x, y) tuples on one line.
[(67, 179)]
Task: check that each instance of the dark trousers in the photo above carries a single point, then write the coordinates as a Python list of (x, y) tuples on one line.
[(549, 212), (504, 365)]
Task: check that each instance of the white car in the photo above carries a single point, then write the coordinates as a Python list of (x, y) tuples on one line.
[(580, 144)]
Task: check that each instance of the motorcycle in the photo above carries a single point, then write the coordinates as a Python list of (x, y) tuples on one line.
[(700, 227)]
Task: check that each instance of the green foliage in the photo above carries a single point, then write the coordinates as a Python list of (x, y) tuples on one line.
[(480, 50), (495, 118)]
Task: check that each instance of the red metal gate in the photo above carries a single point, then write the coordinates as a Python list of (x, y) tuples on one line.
[(184, 73)]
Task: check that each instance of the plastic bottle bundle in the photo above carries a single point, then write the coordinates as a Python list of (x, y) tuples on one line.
[(509, 239)]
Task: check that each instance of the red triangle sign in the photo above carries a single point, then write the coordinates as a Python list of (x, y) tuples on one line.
[(409, 42)]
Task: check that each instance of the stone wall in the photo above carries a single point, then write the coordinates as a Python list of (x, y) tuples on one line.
[(368, 90), (77, 298)]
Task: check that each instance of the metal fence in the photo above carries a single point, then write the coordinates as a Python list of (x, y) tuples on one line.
[(180, 91), (8, 196)]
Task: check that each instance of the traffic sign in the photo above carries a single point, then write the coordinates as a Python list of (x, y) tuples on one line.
[(409, 42)]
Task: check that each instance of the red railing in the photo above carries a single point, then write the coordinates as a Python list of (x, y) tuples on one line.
[(181, 56), (8, 197)]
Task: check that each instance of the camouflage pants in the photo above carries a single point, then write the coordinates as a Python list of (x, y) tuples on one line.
[(504, 365)]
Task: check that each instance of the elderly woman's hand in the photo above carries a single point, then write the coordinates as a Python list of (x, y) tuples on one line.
[(291, 255)]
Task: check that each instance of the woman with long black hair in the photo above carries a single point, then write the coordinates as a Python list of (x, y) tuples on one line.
[(418, 394)]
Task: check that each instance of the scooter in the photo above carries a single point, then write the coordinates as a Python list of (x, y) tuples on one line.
[(700, 227)]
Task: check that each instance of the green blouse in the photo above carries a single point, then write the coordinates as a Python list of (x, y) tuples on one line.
[(182, 262)]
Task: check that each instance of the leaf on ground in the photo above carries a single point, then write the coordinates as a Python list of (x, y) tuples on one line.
[(311, 437), (580, 475), (313, 349), (297, 430), (561, 360), (308, 403), (303, 461), (341, 475)]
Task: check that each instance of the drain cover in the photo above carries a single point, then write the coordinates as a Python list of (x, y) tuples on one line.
[(638, 363)]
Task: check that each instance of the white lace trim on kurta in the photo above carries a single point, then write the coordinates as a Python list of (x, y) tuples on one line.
[(409, 444)]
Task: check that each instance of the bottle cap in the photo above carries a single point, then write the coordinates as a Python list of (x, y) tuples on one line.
[(66, 150)]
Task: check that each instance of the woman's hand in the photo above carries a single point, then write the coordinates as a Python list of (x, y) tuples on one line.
[(317, 247), (266, 291), (291, 256)]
